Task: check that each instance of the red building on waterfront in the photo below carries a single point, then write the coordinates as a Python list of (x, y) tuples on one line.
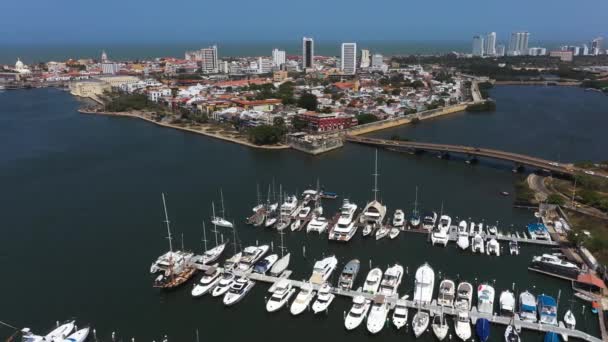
[(327, 122)]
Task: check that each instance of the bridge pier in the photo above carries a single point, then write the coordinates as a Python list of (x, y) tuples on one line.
[(443, 155), (518, 168), (471, 159)]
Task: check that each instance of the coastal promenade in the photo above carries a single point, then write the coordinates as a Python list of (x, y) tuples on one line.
[(519, 159)]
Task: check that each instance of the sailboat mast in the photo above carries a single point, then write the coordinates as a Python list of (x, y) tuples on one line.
[(375, 190), (416, 202), (213, 221), (167, 223), (222, 202), (234, 237), (204, 236)]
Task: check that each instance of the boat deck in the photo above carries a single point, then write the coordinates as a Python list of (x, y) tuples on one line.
[(433, 308)]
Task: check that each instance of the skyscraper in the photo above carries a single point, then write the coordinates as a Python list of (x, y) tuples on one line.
[(308, 53), (596, 46), (489, 48), (377, 61), (477, 46), (209, 62), (518, 45), (349, 58), (365, 58), (500, 50), (278, 57)]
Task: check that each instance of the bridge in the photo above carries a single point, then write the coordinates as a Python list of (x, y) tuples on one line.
[(519, 159)]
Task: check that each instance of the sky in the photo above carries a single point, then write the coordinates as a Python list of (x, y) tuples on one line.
[(36, 22)]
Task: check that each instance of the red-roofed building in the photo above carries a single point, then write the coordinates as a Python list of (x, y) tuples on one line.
[(262, 105), (327, 122)]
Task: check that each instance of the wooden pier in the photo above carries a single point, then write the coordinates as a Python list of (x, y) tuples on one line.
[(432, 307)]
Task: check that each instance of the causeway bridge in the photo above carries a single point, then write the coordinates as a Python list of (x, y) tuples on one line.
[(519, 159)]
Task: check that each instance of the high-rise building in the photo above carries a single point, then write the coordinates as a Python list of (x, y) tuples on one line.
[(308, 53), (278, 57), (209, 62), (477, 46), (518, 45), (349, 58), (585, 50), (537, 51), (104, 57), (500, 50), (365, 58), (109, 68), (264, 65), (377, 61), (489, 47), (596, 46)]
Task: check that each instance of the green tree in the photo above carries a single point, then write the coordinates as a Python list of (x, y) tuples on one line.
[(555, 199), (298, 123), (308, 101), (366, 118), (265, 135)]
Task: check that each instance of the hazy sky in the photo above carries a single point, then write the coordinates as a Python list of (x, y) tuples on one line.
[(146, 21)]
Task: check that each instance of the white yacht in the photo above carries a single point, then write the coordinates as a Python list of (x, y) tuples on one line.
[(349, 274), (440, 327), (78, 336), (513, 247), (463, 325), (400, 313), (554, 264), (372, 281), (265, 264), (237, 291), (477, 244), (377, 316), (289, 206), (447, 290), (303, 299), (507, 303), (391, 280), (424, 284), (317, 224), (59, 332), (357, 313), (441, 234), (485, 299), (231, 262), (464, 296), (208, 281), (382, 232), (322, 270), (345, 228), (570, 320), (493, 247), (250, 256), (429, 220), (223, 285), (303, 213), (399, 218), (527, 307), (463, 235), (324, 299), (420, 322), (283, 291)]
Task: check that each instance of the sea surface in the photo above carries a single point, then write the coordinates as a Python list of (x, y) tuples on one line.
[(82, 213)]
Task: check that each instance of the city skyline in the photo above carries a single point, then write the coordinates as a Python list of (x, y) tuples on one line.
[(41, 23)]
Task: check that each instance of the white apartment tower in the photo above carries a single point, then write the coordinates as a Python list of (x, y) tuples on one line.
[(349, 58), (489, 48), (209, 62), (365, 58), (518, 45), (278, 57), (308, 53), (477, 46)]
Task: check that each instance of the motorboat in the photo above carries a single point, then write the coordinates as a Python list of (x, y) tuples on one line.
[(485, 299), (477, 244), (393, 233), (570, 320), (317, 224), (440, 327), (223, 285), (208, 281), (424, 284), (513, 247), (357, 313), (547, 309), (296, 225), (368, 229), (303, 213), (482, 329), (231, 262), (328, 194), (283, 291), (507, 303), (400, 313), (554, 264), (349, 274), (463, 325), (391, 280), (492, 230), (440, 234), (372, 281), (289, 206), (280, 265), (527, 307), (399, 218), (322, 270), (493, 247), (420, 322), (511, 334), (303, 299), (376, 318), (464, 296), (265, 264), (324, 299), (309, 196), (463, 235), (429, 220), (250, 256), (345, 228), (237, 291), (78, 336), (447, 290), (382, 232), (538, 231)]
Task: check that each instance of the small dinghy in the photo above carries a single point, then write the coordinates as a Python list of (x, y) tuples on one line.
[(482, 329)]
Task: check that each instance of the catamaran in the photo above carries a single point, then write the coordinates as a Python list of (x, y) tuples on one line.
[(463, 235), (464, 297), (250, 256), (400, 313), (345, 228), (507, 303), (372, 281), (237, 291), (349, 274), (527, 307), (424, 284), (374, 212), (447, 289), (324, 299), (303, 299), (493, 247), (485, 299), (280, 296), (357, 313), (208, 281), (322, 270)]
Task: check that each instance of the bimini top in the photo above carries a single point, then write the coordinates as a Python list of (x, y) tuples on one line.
[(544, 300)]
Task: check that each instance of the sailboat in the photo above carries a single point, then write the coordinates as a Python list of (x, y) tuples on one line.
[(374, 212), (281, 265), (415, 217), (220, 220), (211, 255)]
